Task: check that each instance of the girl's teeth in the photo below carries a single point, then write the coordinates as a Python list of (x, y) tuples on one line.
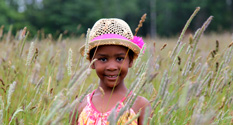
[(112, 76)]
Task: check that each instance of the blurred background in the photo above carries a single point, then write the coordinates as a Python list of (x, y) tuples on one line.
[(73, 17)]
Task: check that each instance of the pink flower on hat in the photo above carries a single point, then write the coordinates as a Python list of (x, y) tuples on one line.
[(138, 41)]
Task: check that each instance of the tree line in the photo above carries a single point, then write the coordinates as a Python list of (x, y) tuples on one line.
[(73, 17)]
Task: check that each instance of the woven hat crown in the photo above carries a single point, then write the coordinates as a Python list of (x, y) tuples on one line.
[(112, 31), (111, 26)]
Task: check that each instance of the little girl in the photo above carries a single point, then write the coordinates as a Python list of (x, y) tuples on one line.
[(114, 47)]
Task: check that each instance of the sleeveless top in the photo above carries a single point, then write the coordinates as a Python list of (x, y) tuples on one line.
[(91, 116)]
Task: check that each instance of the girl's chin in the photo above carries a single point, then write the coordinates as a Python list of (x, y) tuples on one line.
[(111, 84)]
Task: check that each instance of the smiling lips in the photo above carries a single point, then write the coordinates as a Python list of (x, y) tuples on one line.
[(111, 77)]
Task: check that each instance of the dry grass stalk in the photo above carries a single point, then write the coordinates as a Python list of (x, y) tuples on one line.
[(30, 54), (87, 44), (49, 84), (217, 46), (23, 34), (216, 66), (183, 31), (60, 38), (1, 31), (24, 41), (69, 63), (146, 116), (35, 55), (4, 90), (203, 28), (9, 33), (77, 75), (1, 116), (10, 92), (203, 72), (16, 112), (2, 103), (230, 44), (179, 60), (2, 82), (206, 24), (143, 18), (51, 91), (223, 103), (213, 53), (190, 39), (102, 91), (163, 46), (156, 105), (188, 23), (151, 77), (139, 56), (131, 120)]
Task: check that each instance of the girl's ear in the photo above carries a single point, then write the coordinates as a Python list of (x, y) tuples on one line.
[(92, 66), (130, 63)]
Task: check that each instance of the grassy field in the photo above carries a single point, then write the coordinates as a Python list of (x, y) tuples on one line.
[(187, 79)]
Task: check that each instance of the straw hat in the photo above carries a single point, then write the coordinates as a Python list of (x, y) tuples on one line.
[(113, 31)]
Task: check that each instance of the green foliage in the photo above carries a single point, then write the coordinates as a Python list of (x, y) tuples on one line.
[(10, 16), (73, 17)]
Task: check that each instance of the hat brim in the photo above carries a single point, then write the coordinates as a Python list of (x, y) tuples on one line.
[(112, 41)]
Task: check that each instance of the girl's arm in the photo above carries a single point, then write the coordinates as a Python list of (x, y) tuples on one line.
[(74, 114), (142, 103)]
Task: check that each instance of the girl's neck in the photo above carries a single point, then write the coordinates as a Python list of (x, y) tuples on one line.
[(119, 88)]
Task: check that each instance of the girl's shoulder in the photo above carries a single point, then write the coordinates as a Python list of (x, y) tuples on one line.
[(82, 104), (140, 104)]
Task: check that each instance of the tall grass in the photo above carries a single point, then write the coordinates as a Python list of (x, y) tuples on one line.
[(187, 82)]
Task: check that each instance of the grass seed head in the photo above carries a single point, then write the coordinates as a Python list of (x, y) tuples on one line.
[(23, 34), (143, 18), (206, 24), (86, 51), (51, 91), (163, 46), (230, 44), (213, 53), (70, 59), (2, 82), (10, 92), (30, 54), (179, 60), (216, 66), (190, 39), (217, 46)]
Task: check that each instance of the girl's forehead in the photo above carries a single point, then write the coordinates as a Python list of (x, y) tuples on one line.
[(112, 48)]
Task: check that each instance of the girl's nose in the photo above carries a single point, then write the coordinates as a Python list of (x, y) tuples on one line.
[(112, 66)]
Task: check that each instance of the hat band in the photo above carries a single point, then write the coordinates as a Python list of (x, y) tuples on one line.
[(109, 36)]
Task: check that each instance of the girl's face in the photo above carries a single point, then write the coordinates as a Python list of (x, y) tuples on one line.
[(112, 64)]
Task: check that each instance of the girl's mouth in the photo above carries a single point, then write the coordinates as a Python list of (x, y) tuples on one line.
[(112, 77)]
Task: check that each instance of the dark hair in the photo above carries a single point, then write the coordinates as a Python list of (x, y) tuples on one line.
[(130, 54)]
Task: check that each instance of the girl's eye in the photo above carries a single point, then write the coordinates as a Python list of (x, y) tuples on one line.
[(120, 59), (103, 59)]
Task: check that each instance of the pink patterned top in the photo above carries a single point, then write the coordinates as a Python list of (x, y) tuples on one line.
[(91, 116)]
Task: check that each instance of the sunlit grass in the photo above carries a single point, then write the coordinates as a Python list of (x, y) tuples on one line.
[(39, 82)]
